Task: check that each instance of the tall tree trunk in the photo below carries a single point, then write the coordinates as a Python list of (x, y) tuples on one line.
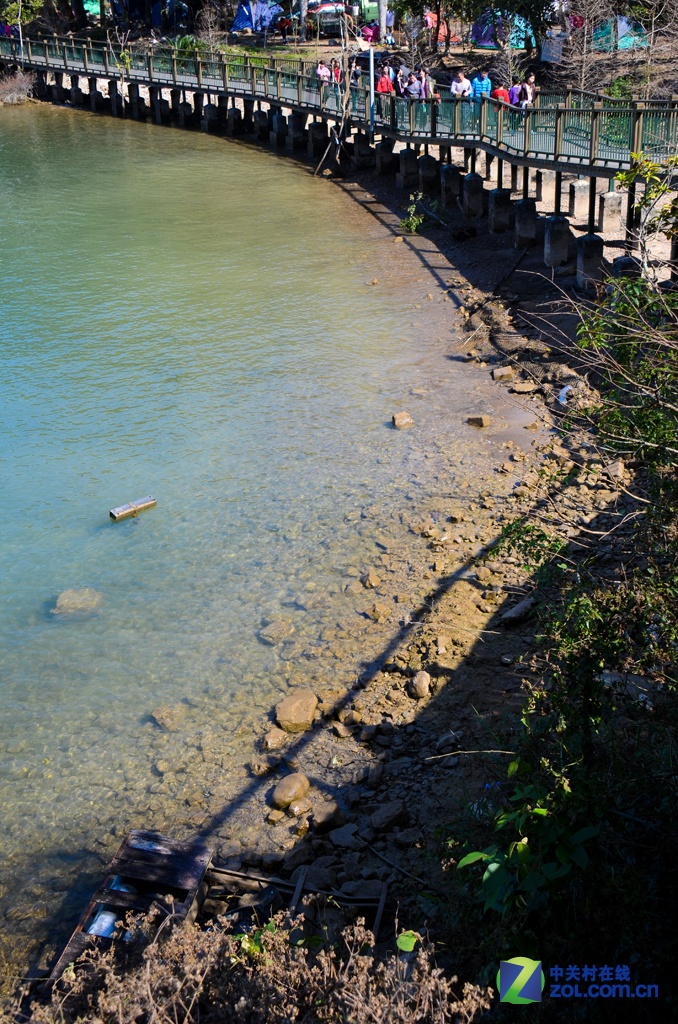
[(382, 7), (303, 18)]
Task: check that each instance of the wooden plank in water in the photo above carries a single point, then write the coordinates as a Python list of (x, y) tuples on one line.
[(132, 508)]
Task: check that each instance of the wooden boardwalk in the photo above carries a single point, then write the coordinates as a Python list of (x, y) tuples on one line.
[(573, 132)]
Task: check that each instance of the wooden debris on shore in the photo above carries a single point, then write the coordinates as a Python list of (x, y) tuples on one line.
[(132, 508), (148, 871)]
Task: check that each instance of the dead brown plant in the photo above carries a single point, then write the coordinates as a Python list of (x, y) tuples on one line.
[(189, 974)]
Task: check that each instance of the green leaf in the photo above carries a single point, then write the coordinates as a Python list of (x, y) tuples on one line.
[(585, 833), (407, 941), (471, 858)]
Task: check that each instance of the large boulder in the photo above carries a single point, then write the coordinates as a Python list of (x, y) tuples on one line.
[(292, 787), (295, 713)]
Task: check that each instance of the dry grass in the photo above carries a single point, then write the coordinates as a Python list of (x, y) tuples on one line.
[(212, 975), (16, 88)]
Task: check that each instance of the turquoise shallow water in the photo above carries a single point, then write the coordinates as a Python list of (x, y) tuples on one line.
[(185, 317)]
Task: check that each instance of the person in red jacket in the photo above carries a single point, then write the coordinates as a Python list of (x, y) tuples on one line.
[(500, 93), (384, 83)]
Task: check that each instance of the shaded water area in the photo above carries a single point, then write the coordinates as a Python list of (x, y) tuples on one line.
[(185, 317)]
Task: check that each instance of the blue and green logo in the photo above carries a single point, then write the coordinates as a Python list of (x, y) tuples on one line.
[(520, 980)]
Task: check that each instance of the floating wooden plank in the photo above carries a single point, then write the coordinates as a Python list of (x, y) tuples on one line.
[(132, 508)]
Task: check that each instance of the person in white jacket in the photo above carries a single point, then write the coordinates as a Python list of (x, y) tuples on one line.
[(460, 85)]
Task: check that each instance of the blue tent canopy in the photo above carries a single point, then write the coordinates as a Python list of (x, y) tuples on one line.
[(493, 28), (254, 15)]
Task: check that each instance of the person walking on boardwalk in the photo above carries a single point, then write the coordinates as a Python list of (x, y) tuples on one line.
[(384, 83), (514, 92), (460, 87), (412, 89), (481, 85), (528, 91), (322, 73)]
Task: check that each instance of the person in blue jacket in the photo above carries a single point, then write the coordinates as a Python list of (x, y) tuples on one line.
[(481, 85)]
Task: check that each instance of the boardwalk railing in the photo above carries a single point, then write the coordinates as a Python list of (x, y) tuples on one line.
[(574, 130)]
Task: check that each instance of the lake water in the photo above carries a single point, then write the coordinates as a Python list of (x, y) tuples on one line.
[(188, 318)]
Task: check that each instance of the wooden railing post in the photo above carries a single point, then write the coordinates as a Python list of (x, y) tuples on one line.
[(483, 116), (64, 50), (637, 136), (106, 68), (85, 60), (299, 88), (150, 67), (198, 68), (593, 142), (457, 115), (500, 124), (225, 75), (174, 66), (278, 83), (558, 144), (434, 119), (393, 119), (412, 112), (253, 79)]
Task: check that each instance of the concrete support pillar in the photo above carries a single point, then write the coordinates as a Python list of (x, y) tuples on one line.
[(500, 210), (408, 175), (469, 159), (175, 100), (385, 157), (248, 115), (590, 260), (58, 91), (542, 180), (578, 198), (133, 100), (364, 157), (154, 96), (556, 241), (429, 175), (234, 121), (95, 97), (473, 196), (261, 124), (210, 118), (525, 223), (317, 139), (450, 185), (514, 177), (76, 95), (198, 101), (445, 154), (609, 211), (278, 134), (185, 114), (40, 87), (296, 129), (115, 98)]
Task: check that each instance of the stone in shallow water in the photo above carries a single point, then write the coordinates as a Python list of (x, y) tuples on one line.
[(275, 632), (296, 712), (292, 787), (169, 716), (85, 601)]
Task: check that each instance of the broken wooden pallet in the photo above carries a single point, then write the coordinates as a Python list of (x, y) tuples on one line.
[(149, 870)]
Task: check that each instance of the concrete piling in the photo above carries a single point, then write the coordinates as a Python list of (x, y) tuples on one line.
[(234, 121), (386, 159), (578, 198), (408, 175), (525, 223), (542, 179), (556, 241), (450, 185), (429, 175), (133, 100), (296, 127), (590, 260), (115, 98), (278, 134), (317, 139), (514, 177), (500, 210), (609, 210), (363, 152), (473, 198)]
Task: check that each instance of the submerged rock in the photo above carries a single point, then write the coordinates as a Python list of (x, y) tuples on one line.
[(275, 632), (402, 420), (169, 716), (85, 601)]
